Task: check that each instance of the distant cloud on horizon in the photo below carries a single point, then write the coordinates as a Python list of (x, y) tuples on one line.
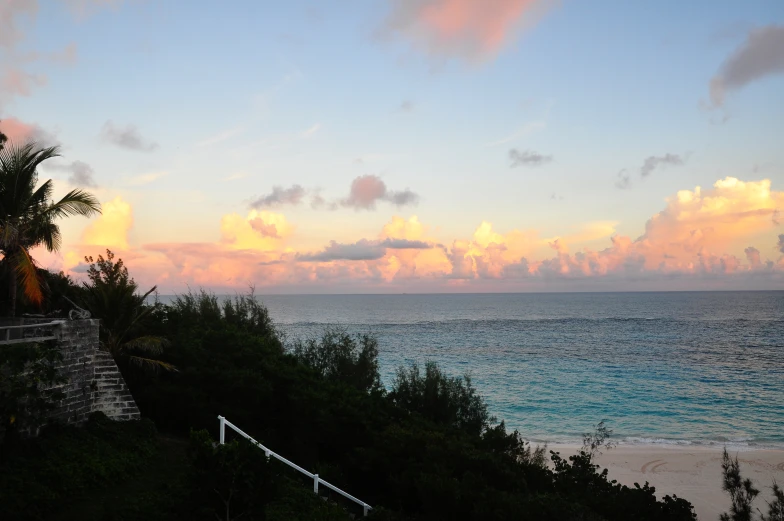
[(689, 243), (363, 249)]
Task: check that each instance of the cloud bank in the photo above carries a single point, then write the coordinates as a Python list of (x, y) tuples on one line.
[(721, 237)]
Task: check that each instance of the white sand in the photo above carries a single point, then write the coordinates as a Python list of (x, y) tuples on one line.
[(693, 473)]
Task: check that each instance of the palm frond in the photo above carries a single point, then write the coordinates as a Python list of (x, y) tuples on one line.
[(149, 292), (46, 233), (8, 234), (147, 344), (151, 363), (27, 272), (43, 194), (75, 202)]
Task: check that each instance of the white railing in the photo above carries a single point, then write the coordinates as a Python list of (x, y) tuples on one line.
[(315, 477), (41, 332)]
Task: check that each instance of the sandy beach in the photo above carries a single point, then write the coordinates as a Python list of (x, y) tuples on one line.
[(693, 473)]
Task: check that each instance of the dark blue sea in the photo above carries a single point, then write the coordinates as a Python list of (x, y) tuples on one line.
[(668, 368)]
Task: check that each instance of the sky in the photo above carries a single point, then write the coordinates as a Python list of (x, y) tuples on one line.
[(388, 146)]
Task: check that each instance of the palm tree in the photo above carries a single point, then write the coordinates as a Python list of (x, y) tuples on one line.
[(112, 296), (28, 215)]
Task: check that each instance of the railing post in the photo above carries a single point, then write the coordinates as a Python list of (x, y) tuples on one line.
[(315, 483), (222, 422), (364, 509)]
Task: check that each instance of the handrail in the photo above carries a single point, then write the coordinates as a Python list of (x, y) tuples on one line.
[(7, 337), (28, 326), (316, 479)]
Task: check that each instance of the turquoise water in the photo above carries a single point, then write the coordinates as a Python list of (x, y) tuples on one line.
[(673, 368)]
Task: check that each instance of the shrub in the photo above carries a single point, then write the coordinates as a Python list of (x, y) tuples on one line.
[(47, 473), (230, 481), (342, 357), (440, 398), (28, 373), (743, 493)]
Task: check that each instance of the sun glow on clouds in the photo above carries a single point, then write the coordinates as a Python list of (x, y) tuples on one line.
[(262, 231), (110, 229), (700, 234)]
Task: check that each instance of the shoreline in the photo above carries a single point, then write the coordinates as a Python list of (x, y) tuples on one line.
[(691, 472), (663, 443)]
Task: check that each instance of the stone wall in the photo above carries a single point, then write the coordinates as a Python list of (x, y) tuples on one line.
[(94, 381)]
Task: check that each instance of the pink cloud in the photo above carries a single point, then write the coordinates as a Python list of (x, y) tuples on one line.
[(20, 132), (366, 190), (14, 81), (476, 29), (266, 230)]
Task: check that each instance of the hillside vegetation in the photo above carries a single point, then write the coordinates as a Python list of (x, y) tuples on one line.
[(426, 449)]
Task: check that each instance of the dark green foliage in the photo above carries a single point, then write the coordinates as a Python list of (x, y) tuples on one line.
[(27, 374), (580, 480), (235, 480), (43, 475), (443, 399), (229, 481), (112, 296), (512, 445), (339, 356), (224, 352), (3, 139), (55, 287), (743, 493), (296, 501)]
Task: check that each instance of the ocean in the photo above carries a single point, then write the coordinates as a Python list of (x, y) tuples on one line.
[(677, 368)]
